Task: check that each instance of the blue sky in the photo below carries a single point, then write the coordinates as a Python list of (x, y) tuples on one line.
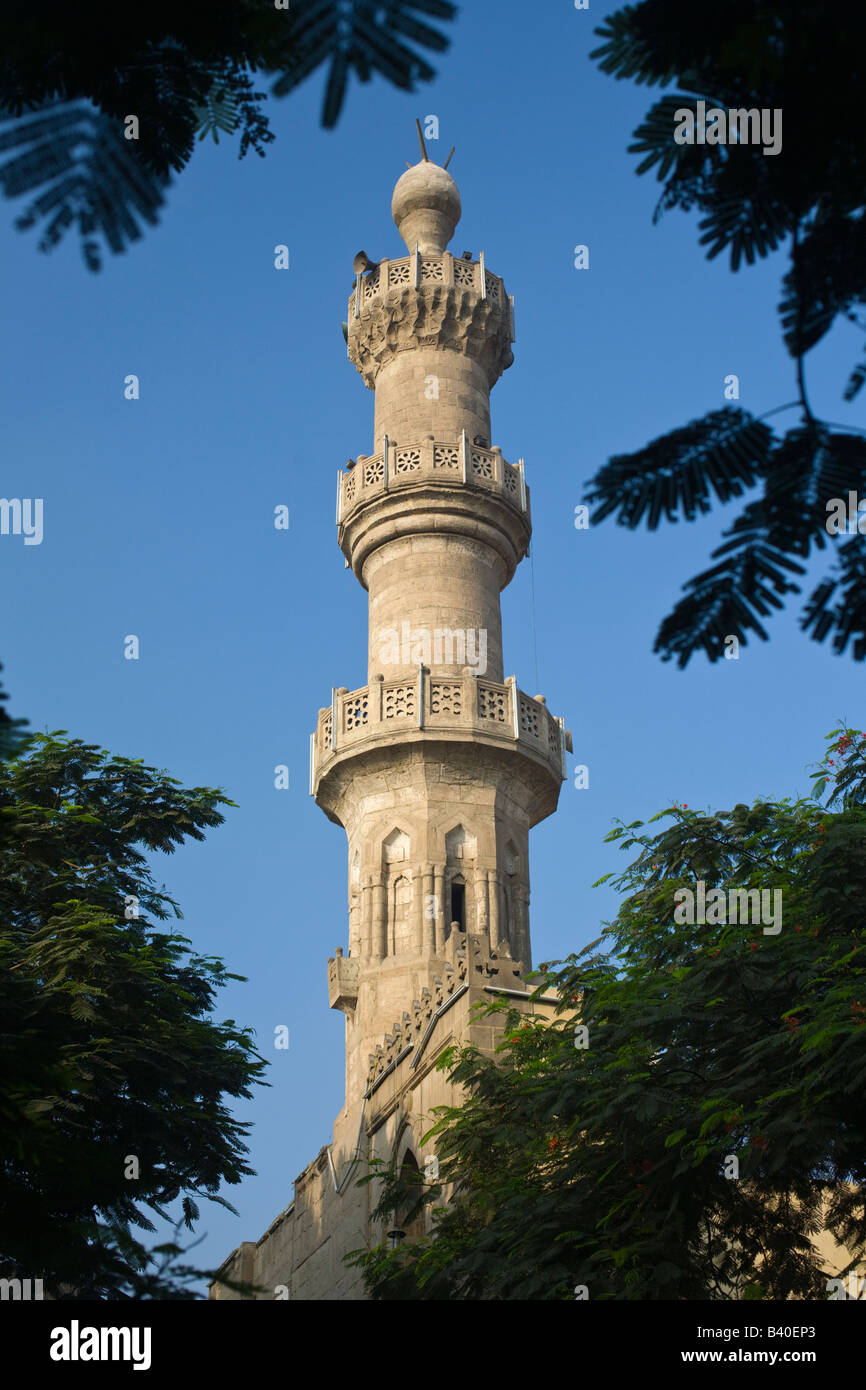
[(158, 512)]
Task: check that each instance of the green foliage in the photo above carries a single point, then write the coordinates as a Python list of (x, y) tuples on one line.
[(110, 1048), (606, 1165), (844, 763), (69, 80), (778, 56)]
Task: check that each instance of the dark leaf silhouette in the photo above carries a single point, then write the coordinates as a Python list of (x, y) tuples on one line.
[(68, 82), (724, 452), (88, 175), (805, 469), (362, 38), (845, 620), (790, 86)]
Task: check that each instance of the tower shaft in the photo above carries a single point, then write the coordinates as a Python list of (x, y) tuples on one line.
[(438, 767)]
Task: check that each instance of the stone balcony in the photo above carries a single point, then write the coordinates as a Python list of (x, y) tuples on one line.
[(342, 982), (467, 707), (447, 463), (430, 301), (418, 270)]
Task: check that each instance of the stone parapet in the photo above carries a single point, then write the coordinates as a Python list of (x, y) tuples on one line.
[(446, 463), (430, 301), (467, 706), (472, 969)]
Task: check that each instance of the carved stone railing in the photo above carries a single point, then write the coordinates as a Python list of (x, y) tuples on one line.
[(470, 963), (468, 704), (407, 1037), (445, 462), (417, 270), (434, 301)]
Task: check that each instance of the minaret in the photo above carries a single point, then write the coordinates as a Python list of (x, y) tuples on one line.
[(438, 766)]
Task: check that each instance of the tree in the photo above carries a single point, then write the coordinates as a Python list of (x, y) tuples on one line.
[(112, 1101), (12, 733), (778, 56), (713, 1116), (120, 94)]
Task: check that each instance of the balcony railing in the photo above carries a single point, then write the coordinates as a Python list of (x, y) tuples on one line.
[(418, 270), (447, 462), (426, 701)]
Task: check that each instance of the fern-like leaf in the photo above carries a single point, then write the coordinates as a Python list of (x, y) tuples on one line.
[(828, 279), (846, 619), (724, 452), (89, 175), (807, 468), (727, 601), (218, 112), (360, 37), (628, 53), (190, 1212)]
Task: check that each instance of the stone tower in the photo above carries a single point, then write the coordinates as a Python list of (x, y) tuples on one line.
[(438, 766)]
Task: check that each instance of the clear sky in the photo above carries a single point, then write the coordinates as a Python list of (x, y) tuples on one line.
[(158, 513)]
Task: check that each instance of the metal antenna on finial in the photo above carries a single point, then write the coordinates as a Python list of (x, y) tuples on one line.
[(448, 160), (424, 154)]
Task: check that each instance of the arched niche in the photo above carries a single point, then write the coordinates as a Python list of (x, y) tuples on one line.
[(395, 847), (460, 850), (460, 845), (512, 881), (458, 905), (409, 1216), (400, 916)]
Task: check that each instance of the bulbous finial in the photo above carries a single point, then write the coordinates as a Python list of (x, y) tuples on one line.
[(426, 207)]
